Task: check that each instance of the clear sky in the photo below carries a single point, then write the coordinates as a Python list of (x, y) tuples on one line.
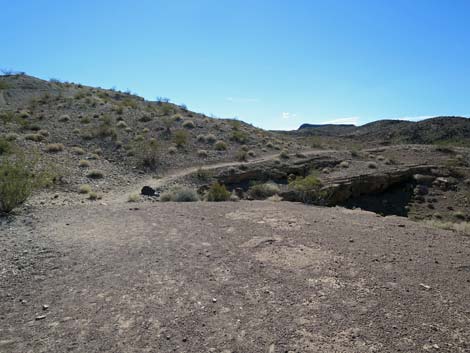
[(275, 63)]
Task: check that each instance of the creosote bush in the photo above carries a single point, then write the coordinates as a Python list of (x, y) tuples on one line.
[(19, 176), (147, 153), (180, 138), (217, 192), (77, 150), (220, 146)]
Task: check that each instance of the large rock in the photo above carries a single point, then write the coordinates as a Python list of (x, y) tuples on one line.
[(148, 191)]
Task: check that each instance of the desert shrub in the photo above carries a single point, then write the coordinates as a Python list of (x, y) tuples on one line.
[(180, 138), (177, 118), (202, 153), (84, 189), (309, 182), (106, 129), (145, 118), (4, 85), (133, 198), (239, 136), (43, 133), (203, 174), (251, 153), (217, 192), (85, 120), (263, 191), (462, 227), (172, 150), (93, 196), (189, 124), (220, 146), (372, 165), (459, 215), (201, 138), (147, 153), (93, 156), (11, 136), (241, 156), (34, 137), (83, 163), (64, 118), (298, 155), (344, 164), (129, 102), (180, 194), (77, 150), (19, 176), (139, 138), (145, 130), (128, 129), (7, 117), (284, 154), (54, 147), (121, 124), (5, 146), (210, 138), (269, 145), (95, 174)]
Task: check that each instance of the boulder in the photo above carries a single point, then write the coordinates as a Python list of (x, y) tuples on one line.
[(147, 191)]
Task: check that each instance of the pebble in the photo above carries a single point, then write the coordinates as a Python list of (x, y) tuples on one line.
[(41, 317), (214, 300), (45, 307)]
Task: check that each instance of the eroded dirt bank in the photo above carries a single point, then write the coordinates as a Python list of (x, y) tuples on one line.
[(231, 277)]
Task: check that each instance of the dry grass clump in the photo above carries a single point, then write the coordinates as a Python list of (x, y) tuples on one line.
[(121, 124), (462, 227), (202, 153), (372, 165), (177, 118), (172, 150), (220, 146), (210, 138), (84, 189), (148, 153), (95, 174), (93, 196), (34, 137), (54, 147), (64, 118), (82, 163), (11, 136), (189, 124), (380, 158), (201, 138), (180, 138), (241, 156), (44, 133), (133, 198), (77, 150), (93, 157), (263, 191), (180, 194), (284, 154), (344, 164), (251, 153)]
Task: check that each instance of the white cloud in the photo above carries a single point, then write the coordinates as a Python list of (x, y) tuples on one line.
[(350, 120), (287, 115), (242, 100)]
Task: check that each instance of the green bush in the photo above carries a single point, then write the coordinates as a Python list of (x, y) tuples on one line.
[(5, 146), (217, 193), (148, 153), (306, 183), (18, 178), (239, 136), (180, 138)]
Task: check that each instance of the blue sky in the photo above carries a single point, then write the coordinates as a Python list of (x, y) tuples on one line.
[(275, 64)]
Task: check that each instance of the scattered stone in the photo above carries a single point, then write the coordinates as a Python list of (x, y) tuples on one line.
[(41, 317), (425, 286), (45, 307), (214, 300)]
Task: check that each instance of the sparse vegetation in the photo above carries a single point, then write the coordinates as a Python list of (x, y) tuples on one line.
[(95, 174), (5, 146), (54, 147), (148, 153), (84, 189), (83, 163), (202, 153), (180, 194), (263, 191), (180, 138), (217, 192), (189, 124), (210, 138), (133, 198), (371, 165), (220, 146)]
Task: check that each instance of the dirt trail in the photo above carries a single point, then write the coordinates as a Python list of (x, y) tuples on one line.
[(173, 175)]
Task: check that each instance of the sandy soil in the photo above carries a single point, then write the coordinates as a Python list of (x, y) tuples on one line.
[(230, 277)]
